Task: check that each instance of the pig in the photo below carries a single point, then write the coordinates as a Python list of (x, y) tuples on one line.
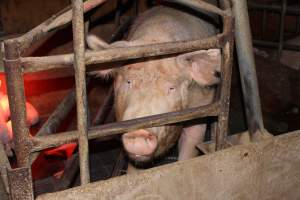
[(164, 84)]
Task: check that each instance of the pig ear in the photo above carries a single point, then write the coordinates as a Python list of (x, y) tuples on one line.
[(96, 43), (202, 66)]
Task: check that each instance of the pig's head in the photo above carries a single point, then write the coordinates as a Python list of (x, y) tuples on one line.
[(159, 86)]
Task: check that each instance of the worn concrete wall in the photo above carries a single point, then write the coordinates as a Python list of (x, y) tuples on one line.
[(266, 170)]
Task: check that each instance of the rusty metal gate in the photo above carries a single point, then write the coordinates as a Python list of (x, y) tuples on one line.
[(18, 181)]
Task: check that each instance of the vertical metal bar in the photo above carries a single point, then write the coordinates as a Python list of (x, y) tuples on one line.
[(298, 25), (118, 13), (247, 66), (15, 89), (81, 95), (20, 184), (136, 8), (282, 25), (220, 129), (222, 125), (264, 24)]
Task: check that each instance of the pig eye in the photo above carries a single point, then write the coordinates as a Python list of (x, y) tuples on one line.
[(172, 89), (128, 83)]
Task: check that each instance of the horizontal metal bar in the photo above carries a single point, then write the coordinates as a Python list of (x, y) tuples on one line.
[(43, 142), (270, 44), (4, 165), (33, 64), (289, 10), (200, 5)]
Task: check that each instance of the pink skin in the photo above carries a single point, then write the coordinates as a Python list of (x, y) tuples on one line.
[(140, 143)]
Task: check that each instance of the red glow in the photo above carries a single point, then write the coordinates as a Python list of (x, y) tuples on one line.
[(64, 151)]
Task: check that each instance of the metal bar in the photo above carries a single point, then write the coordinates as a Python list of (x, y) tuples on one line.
[(63, 109), (43, 142), (281, 28), (56, 21), (201, 6), (221, 128), (105, 108), (4, 165), (289, 10), (222, 125), (264, 24), (275, 45), (20, 183), (81, 95), (118, 13), (55, 119), (16, 95), (247, 66), (33, 64)]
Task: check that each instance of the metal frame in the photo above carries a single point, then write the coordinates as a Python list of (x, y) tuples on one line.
[(19, 179), (283, 10)]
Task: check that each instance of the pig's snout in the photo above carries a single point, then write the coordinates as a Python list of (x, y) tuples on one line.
[(140, 144)]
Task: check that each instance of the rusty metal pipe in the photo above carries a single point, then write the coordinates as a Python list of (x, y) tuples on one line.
[(63, 109), (4, 165), (201, 6), (33, 64), (281, 27), (247, 66), (43, 142), (16, 95), (81, 94)]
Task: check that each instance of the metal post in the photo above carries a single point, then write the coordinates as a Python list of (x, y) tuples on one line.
[(281, 30), (15, 89), (247, 66), (81, 95)]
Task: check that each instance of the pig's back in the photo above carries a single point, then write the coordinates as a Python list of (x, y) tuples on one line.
[(164, 24)]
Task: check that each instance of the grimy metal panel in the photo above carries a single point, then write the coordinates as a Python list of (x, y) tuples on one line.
[(265, 170), (16, 65)]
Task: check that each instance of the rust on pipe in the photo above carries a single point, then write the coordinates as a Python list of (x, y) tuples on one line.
[(200, 5), (43, 142), (4, 166), (20, 183), (16, 95), (226, 70), (33, 64), (63, 109), (81, 94), (222, 125)]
